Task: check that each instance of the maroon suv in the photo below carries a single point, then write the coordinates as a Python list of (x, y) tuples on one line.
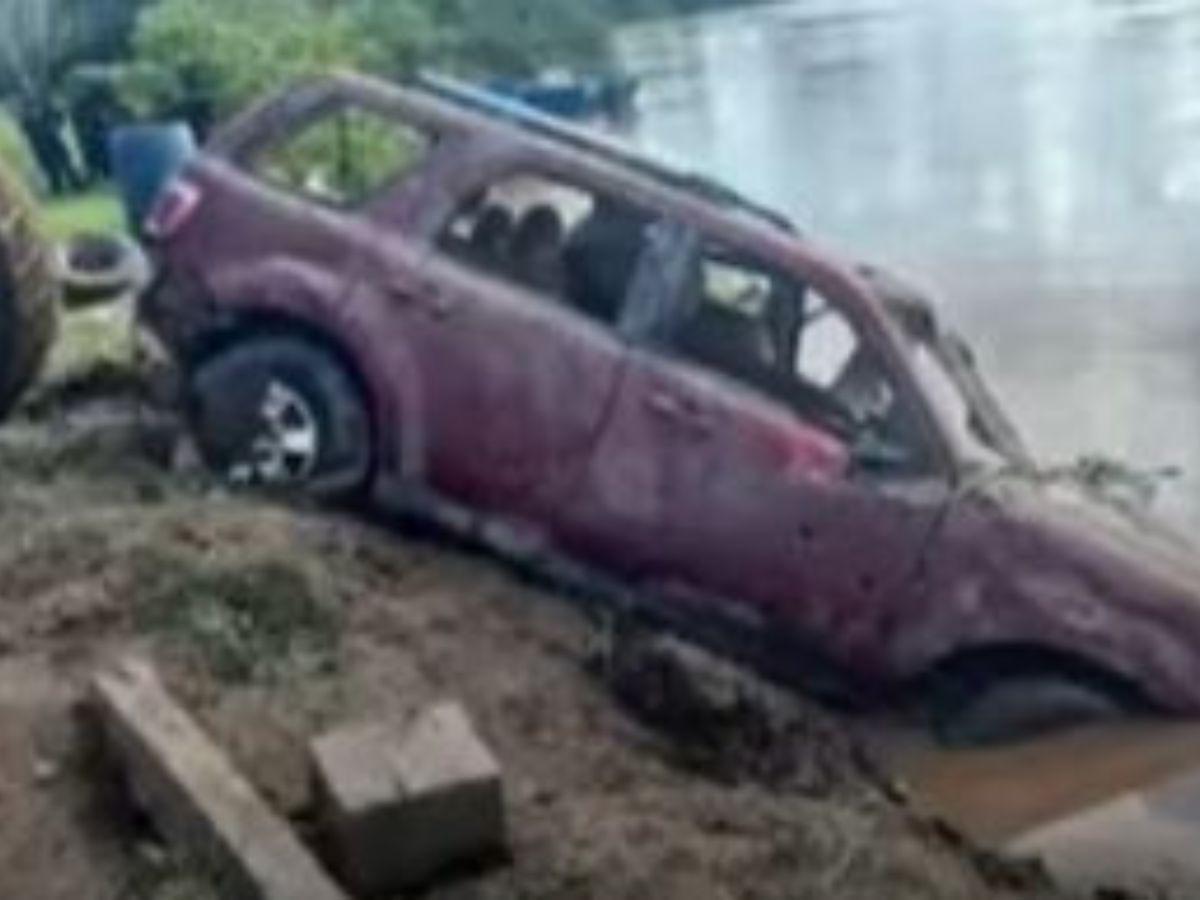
[(579, 355)]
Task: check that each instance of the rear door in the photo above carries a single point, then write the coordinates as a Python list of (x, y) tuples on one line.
[(514, 383)]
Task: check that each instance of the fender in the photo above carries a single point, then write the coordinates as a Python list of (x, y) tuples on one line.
[(1004, 574), (342, 312)]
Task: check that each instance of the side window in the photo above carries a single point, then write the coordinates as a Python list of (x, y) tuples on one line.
[(567, 244), (780, 337), (345, 158)]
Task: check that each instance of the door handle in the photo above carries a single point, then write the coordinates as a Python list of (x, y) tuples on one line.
[(681, 412), (426, 295)]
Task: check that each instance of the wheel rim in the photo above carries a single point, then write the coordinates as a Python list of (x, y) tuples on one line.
[(285, 448)]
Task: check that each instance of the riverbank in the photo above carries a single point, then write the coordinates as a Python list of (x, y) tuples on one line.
[(631, 770)]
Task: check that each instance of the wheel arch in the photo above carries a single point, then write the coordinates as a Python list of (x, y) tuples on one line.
[(388, 385), (260, 322), (970, 665)]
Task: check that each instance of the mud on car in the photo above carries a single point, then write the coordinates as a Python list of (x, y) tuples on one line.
[(454, 305)]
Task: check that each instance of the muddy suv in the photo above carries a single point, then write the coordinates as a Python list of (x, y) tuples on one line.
[(578, 355)]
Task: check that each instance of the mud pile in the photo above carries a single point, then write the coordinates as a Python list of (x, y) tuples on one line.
[(634, 767)]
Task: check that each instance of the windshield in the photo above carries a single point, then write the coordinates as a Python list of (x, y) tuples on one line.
[(982, 433), (952, 407)]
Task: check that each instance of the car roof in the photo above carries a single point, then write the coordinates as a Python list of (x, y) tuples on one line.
[(449, 105), (521, 115)]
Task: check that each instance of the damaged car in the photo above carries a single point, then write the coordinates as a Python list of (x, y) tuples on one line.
[(542, 339)]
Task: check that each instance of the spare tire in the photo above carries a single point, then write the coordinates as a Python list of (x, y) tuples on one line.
[(28, 293), (95, 268)]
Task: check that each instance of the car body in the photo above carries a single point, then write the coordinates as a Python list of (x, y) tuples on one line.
[(872, 506)]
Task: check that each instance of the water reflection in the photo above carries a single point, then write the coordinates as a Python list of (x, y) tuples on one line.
[(1036, 162)]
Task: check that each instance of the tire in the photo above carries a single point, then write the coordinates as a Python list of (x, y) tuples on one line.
[(281, 413), (1015, 707), (98, 268), (28, 295)]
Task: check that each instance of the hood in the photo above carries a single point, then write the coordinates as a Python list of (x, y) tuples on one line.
[(1114, 534), (1095, 576)]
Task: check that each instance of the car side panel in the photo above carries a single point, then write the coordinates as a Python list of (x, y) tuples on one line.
[(240, 222), (512, 390), (1013, 568), (722, 494)]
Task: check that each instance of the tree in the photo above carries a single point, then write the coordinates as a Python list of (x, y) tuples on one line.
[(220, 53), (396, 36), (518, 37), (40, 40)]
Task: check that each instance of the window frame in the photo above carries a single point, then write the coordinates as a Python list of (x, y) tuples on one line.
[(924, 449), (281, 130), (636, 294)]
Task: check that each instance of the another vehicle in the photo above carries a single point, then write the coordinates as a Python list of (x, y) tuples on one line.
[(29, 293), (576, 354)]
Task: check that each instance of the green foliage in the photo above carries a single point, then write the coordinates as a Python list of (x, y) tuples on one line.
[(518, 37), (344, 159), (396, 36), (229, 51), (95, 212), (252, 622)]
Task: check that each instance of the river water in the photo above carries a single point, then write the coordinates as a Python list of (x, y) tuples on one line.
[(1034, 163)]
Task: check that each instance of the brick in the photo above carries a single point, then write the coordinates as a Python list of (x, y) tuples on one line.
[(197, 798), (401, 805)]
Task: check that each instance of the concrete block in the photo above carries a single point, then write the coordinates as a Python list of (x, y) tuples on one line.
[(197, 798), (1145, 841), (401, 805)]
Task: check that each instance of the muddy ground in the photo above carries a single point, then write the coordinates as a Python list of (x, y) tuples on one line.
[(633, 769)]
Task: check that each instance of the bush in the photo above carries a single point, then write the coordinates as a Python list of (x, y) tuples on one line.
[(225, 52), (519, 37)]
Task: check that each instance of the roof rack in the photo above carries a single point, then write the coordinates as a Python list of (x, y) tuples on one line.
[(524, 116)]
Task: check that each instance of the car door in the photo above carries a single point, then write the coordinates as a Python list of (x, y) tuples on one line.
[(710, 488), (512, 384)]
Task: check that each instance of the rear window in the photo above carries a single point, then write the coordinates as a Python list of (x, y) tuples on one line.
[(344, 159)]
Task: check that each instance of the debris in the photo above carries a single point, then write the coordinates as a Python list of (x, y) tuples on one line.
[(1141, 842), (45, 771), (400, 806), (197, 798)]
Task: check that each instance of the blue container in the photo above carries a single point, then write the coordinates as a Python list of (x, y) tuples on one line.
[(144, 160), (582, 98)]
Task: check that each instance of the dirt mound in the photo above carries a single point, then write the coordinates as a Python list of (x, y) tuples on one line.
[(635, 767), (28, 294)]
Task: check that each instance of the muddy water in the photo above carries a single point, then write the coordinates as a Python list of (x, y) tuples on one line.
[(1035, 162)]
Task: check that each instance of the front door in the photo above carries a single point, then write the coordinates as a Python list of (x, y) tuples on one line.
[(735, 467)]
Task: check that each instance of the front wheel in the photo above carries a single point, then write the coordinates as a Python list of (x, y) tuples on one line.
[(1014, 707), (281, 413)]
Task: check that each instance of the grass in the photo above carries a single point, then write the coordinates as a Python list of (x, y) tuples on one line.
[(98, 210), (254, 621)]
